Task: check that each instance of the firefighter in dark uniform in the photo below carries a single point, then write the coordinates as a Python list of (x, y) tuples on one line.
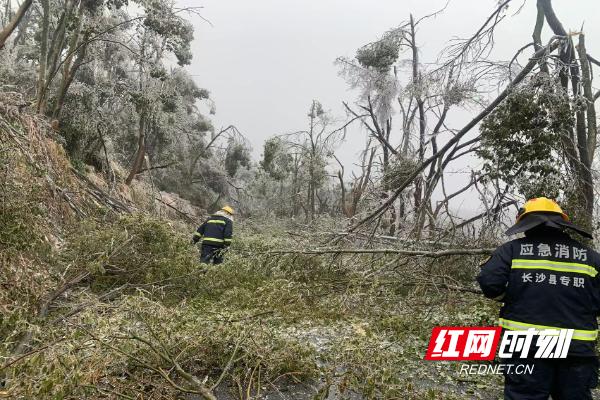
[(215, 234), (547, 280)]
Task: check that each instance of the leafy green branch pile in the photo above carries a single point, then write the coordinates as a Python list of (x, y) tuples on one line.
[(248, 326), (111, 306)]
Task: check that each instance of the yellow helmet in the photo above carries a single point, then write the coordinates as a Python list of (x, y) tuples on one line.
[(541, 204), (228, 210)]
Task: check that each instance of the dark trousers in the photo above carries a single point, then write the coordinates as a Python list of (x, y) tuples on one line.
[(563, 379), (212, 254)]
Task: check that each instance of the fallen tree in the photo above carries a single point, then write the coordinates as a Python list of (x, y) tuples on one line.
[(417, 253)]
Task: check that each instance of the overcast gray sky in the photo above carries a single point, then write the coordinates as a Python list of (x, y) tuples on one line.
[(265, 60)]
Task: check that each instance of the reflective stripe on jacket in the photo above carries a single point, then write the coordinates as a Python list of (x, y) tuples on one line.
[(546, 280)]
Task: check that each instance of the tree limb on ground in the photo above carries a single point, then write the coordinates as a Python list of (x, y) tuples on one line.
[(44, 308), (199, 386), (156, 167), (185, 215), (101, 195), (419, 253)]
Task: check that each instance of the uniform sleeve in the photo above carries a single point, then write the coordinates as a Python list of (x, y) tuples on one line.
[(228, 233), (495, 273), (199, 233)]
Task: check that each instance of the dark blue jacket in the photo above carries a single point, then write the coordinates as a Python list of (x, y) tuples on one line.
[(546, 280), (216, 231)]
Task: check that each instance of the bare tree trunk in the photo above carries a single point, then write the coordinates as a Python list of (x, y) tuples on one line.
[(343, 202), (592, 129), (67, 79), (142, 109), (312, 161), (57, 43), (14, 22), (70, 68), (56, 48), (7, 16), (581, 157), (417, 84), (295, 188), (589, 114), (280, 210), (537, 34), (141, 150), (361, 186), (41, 84)]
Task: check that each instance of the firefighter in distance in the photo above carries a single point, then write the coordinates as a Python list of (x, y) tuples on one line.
[(216, 233)]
